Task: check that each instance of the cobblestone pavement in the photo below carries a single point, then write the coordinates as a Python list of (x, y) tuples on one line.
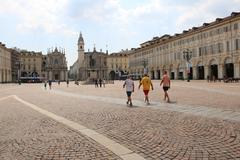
[(27, 135), (149, 131)]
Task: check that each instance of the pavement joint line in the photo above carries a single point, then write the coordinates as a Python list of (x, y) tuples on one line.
[(113, 146), (187, 109), (6, 97)]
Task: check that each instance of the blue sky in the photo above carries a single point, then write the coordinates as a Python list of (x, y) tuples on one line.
[(37, 25)]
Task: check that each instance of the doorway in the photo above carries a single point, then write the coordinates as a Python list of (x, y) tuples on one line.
[(200, 70), (229, 70), (214, 71)]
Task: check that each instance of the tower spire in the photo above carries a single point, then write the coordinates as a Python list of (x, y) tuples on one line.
[(94, 48), (80, 39)]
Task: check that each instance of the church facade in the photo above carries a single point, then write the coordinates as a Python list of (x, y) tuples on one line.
[(52, 66), (55, 65), (92, 64)]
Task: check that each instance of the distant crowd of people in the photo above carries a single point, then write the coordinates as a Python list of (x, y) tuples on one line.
[(49, 82)]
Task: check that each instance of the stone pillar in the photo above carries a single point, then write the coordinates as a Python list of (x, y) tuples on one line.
[(236, 70), (10, 76), (1, 76), (50, 75), (156, 74), (194, 72), (220, 70), (206, 71), (4, 76), (176, 73), (61, 76)]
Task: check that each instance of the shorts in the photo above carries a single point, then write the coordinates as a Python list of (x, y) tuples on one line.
[(129, 93), (146, 92), (165, 88)]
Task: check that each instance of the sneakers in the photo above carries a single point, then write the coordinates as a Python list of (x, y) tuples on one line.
[(130, 104)]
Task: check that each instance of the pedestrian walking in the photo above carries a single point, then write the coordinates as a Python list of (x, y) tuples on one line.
[(166, 86), (96, 83), (45, 84), (50, 84), (100, 82), (129, 84), (146, 83), (67, 83)]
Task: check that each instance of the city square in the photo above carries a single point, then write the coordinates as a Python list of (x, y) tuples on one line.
[(84, 122), (120, 80)]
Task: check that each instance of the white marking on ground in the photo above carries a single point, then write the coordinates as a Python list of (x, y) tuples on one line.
[(3, 98), (113, 146)]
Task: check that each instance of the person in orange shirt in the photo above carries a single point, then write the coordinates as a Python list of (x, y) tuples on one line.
[(166, 85), (146, 83)]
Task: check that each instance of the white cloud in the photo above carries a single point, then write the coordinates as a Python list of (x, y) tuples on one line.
[(35, 15), (205, 11)]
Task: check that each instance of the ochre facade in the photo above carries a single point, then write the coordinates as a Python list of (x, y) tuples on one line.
[(5, 64), (214, 49)]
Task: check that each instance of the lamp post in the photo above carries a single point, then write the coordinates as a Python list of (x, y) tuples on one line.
[(187, 55)]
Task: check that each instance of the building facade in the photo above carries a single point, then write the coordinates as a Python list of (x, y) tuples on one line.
[(5, 64), (92, 64), (52, 66), (117, 64), (31, 64), (213, 50), (15, 64), (55, 65)]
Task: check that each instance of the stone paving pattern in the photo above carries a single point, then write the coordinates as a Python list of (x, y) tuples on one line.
[(27, 135), (152, 133)]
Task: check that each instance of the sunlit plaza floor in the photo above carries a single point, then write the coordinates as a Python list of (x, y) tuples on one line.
[(84, 122)]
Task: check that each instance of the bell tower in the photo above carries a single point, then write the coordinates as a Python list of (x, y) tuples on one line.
[(80, 50)]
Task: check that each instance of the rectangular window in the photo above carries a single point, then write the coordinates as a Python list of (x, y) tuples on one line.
[(200, 51), (235, 26), (237, 44), (228, 46), (211, 33), (214, 48), (178, 55), (220, 48), (205, 50), (225, 29)]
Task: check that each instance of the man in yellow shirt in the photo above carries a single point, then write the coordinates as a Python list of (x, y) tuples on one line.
[(146, 83)]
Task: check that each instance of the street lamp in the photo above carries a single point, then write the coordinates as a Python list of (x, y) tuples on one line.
[(187, 55)]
